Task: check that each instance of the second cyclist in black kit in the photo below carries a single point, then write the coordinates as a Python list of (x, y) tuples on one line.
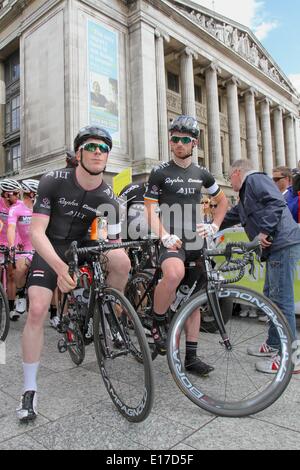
[(67, 203), (176, 186)]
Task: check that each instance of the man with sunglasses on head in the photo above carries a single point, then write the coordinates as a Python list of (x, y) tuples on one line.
[(19, 219), (67, 203), (10, 193), (176, 187)]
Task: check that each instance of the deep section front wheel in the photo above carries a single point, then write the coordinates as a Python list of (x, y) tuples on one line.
[(236, 387), (123, 355)]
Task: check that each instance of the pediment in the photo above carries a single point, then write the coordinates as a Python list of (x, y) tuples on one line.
[(236, 37)]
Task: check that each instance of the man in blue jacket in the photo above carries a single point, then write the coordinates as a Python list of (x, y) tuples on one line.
[(263, 212)]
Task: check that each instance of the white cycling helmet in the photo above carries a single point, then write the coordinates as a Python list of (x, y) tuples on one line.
[(10, 185), (30, 186)]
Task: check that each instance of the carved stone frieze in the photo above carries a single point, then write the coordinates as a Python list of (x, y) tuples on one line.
[(239, 41)]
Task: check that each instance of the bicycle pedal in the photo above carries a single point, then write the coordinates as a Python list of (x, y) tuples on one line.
[(62, 346)]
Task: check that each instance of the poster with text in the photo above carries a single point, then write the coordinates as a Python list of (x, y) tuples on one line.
[(103, 73)]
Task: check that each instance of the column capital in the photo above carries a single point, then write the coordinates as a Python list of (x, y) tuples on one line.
[(250, 90), (266, 100), (214, 66), (278, 108), (232, 80), (188, 52), (289, 115), (162, 34)]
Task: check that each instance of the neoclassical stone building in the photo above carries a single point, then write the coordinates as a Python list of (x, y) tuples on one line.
[(132, 66)]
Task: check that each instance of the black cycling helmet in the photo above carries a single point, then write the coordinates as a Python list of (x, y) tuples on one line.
[(185, 124), (92, 131)]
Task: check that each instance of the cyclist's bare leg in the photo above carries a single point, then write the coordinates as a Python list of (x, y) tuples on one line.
[(173, 272), (11, 285), (22, 267), (192, 326), (33, 335), (118, 269)]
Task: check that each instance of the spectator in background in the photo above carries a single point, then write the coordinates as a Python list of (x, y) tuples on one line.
[(71, 160), (283, 177)]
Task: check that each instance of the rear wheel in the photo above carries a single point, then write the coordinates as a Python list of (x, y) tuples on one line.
[(142, 302), (123, 355), (236, 387), (75, 343)]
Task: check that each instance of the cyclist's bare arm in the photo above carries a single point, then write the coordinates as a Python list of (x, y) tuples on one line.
[(221, 209), (11, 235), (42, 245)]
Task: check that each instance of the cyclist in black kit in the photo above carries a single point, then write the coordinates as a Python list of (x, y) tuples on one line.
[(67, 203), (176, 186), (132, 199)]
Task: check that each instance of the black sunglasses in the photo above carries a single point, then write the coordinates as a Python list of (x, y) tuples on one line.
[(185, 140), (12, 193), (214, 206), (93, 146)]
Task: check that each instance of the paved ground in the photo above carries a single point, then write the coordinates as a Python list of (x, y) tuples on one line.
[(76, 413)]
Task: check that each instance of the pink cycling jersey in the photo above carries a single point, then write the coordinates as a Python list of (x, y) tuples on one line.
[(4, 211), (20, 216)]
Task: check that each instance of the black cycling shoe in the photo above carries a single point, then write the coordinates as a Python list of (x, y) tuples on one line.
[(27, 409), (195, 366), (160, 338)]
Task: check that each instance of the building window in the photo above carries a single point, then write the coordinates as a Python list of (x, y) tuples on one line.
[(198, 93), (13, 158), (12, 115), (220, 104), (12, 69), (173, 82), (201, 140)]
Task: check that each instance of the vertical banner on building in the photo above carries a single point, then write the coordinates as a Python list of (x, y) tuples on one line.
[(103, 74)]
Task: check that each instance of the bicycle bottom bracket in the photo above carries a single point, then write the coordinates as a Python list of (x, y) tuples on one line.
[(62, 345)]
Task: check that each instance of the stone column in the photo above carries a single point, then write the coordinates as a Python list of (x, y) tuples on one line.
[(251, 127), (188, 104), (143, 93), (233, 119), (279, 137), (163, 141), (2, 118), (213, 121), (290, 141), (266, 135)]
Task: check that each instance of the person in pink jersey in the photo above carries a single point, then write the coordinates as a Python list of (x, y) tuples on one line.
[(10, 193), (19, 220)]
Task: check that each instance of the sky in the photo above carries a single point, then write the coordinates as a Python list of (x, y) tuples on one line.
[(276, 23)]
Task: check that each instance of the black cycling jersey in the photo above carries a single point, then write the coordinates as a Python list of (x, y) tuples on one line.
[(177, 190), (132, 197), (72, 209)]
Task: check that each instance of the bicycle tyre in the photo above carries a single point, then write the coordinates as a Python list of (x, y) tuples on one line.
[(115, 350), (75, 344), (4, 314), (135, 289), (254, 391)]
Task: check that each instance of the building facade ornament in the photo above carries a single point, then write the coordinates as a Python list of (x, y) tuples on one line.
[(240, 41)]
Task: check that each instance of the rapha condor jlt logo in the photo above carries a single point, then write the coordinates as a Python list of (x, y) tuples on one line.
[(186, 191)]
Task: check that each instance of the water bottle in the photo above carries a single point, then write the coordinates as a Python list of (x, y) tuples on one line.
[(181, 294)]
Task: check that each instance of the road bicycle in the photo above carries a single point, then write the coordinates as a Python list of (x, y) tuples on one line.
[(94, 312), (8, 258), (235, 388)]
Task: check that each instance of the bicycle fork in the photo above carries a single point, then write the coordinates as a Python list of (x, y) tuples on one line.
[(213, 301)]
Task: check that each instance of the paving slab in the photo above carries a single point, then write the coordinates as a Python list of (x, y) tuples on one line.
[(243, 434)]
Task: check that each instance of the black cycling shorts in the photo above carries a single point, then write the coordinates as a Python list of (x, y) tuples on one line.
[(184, 255), (42, 275)]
